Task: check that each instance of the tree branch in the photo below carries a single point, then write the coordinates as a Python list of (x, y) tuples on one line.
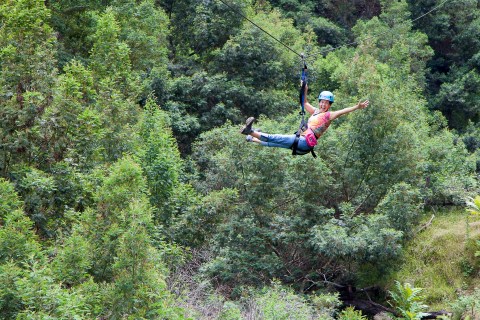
[(426, 225)]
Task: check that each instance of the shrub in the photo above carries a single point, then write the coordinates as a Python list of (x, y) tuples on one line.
[(407, 300), (351, 314), (467, 306)]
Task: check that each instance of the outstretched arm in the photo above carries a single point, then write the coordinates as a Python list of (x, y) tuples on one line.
[(310, 109), (339, 113)]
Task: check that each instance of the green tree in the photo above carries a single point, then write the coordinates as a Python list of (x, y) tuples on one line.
[(10, 200), (28, 72), (123, 185), (330, 20), (75, 23), (107, 46), (257, 59), (10, 301), (144, 28), (139, 275), (194, 218), (73, 260), (159, 157), (405, 50), (118, 88), (18, 242), (250, 74), (119, 234), (346, 13), (447, 178), (458, 97), (356, 240), (199, 27), (453, 79), (18, 245), (70, 124), (290, 212), (37, 189), (402, 206)]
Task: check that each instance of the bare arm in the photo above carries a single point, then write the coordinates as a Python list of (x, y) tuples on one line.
[(339, 113), (310, 109)]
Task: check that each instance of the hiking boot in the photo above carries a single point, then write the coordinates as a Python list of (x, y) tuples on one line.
[(247, 129)]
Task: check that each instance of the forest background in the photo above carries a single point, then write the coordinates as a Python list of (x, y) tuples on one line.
[(127, 192)]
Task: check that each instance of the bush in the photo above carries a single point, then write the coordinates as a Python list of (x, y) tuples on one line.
[(230, 311), (402, 205), (467, 306), (279, 302), (351, 314), (407, 300)]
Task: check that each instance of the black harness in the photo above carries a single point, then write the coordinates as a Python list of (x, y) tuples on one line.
[(303, 124), (294, 147)]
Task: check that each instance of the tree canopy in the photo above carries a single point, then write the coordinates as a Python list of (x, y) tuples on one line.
[(127, 192)]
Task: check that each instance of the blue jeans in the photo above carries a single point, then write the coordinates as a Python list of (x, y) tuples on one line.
[(284, 141)]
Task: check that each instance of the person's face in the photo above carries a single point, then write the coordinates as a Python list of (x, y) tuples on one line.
[(323, 105)]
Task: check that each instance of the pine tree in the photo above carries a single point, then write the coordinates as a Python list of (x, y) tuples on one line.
[(28, 73), (160, 158), (71, 126), (119, 232), (118, 88), (18, 246)]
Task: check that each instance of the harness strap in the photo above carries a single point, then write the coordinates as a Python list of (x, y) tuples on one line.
[(304, 80), (303, 123), (294, 145)]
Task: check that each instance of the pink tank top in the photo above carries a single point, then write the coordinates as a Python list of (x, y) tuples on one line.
[(319, 122)]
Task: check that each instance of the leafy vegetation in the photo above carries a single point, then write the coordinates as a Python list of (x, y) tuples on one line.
[(126, 191), (407, 300)]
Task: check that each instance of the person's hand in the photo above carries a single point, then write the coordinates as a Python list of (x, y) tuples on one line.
[(305, 91), (363, 105)]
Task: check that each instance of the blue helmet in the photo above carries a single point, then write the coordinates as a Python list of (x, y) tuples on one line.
[(326, 95)]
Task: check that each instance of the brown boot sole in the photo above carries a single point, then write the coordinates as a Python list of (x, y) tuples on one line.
[(248, 126)]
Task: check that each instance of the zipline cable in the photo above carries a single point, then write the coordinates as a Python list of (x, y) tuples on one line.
[(323, 51), (367, 38), (256, 25), (428, 12)]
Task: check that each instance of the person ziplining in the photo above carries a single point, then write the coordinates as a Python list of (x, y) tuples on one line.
[(305, 139)]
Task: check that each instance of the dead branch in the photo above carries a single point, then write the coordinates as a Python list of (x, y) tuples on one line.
[(426, 225)]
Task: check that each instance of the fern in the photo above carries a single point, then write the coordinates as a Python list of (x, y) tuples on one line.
[(473, 205), (351, 314), (407, 300)]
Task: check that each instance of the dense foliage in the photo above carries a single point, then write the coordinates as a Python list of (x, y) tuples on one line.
[(126, 190)]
